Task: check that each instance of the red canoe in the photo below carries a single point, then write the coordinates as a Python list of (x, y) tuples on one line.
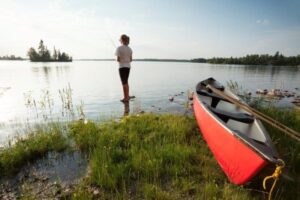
[(238, 141)]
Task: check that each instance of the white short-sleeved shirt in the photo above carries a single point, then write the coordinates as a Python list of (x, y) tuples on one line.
[(125, 53)]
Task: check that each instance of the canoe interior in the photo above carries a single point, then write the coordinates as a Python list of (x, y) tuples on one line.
[(252, 133), (251, 130)]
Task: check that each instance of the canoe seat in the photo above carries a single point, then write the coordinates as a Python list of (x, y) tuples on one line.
[(225, 116), (215, 98)]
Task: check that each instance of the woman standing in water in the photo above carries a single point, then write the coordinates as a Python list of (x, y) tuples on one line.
[(124, 57)]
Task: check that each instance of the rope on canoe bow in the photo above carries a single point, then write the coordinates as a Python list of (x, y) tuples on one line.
[(290, 132), (274, 176), (293, 134)]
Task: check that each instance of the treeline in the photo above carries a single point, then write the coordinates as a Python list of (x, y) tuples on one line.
[(11, 57), (161, 60), (264, 59), (44, 55)]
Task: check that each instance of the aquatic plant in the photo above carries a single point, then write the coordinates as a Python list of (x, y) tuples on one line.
[(23, 149)]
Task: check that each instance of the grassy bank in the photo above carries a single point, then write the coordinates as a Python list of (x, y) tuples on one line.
[(39, 141), (152, 157), (289, 150)]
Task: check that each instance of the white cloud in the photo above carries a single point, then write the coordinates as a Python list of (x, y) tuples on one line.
[(84, 34), (282, 40), (263, 21)]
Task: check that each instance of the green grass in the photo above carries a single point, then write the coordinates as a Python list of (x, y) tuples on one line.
[(84, 135), (34, 145), (288, 149), (152, 157)]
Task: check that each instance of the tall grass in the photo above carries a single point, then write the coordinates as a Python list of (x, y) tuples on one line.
[(289, 150), (35, 144), (152, 157)]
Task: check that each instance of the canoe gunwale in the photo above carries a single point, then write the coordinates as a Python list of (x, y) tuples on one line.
[(260, 149)]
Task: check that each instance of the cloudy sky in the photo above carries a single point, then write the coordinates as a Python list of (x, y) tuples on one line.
[(158, 28)]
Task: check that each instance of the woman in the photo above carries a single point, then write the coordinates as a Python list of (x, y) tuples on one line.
[(124, 57)]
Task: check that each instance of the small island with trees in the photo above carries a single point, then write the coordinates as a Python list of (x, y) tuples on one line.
[(44, 55)]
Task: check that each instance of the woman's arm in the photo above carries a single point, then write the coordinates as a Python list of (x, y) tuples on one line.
[(118, 58), (130, 58)]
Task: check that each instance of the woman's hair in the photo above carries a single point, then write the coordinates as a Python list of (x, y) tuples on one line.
[(125, 39)]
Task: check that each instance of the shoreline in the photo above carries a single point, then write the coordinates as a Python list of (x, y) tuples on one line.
[(159, 60), (84, 135)]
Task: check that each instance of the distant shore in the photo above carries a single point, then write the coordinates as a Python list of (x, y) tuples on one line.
[(11, 57), (264, 59)]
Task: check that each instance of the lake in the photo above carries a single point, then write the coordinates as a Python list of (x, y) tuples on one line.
[(96, 86)]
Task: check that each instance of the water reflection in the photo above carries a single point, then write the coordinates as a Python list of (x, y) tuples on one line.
[(270, 70), (47, 71), (126, 108)]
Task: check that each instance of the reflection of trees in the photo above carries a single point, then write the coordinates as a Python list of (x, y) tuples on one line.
[(62, 70), (126, 108), (46, 71), (272, 70)]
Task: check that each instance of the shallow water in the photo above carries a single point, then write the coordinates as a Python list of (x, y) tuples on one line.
[(51, 173), (97, 84)]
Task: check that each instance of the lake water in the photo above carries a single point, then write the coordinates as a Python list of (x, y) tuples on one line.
[(97, 85)]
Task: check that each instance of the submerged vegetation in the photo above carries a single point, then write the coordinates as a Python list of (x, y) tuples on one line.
[(44, 55)]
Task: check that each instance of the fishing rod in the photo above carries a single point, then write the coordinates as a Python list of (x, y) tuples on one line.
[(111, 40)]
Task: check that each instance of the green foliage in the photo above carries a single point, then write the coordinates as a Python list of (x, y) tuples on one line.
[(84, 135), (44, 55), (255, 59), (34, 145), (11, 57)]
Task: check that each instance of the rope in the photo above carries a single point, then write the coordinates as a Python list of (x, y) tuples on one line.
[(274, 176), (293, 134)]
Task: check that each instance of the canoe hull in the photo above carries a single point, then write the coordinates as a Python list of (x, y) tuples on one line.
[(239, 162)]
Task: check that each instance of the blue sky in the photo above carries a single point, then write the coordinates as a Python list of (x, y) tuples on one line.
[(158, 29)]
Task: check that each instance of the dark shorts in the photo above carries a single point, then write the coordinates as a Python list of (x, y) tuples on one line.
[(124, 74)]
